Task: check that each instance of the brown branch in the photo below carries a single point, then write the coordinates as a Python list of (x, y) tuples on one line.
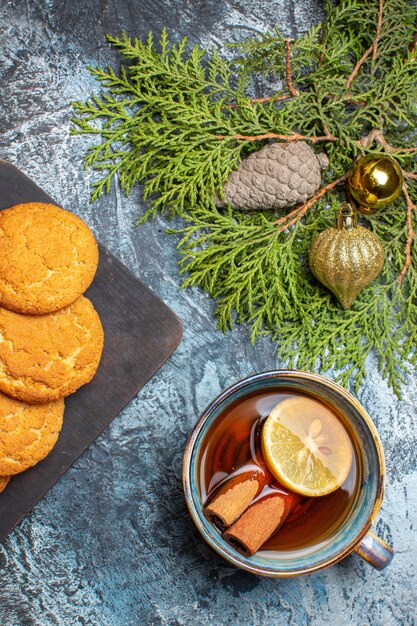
[(276, 98), (359, 103), (411, 175), (378, 30), (372, 48), (280, 98), (377, 135), (288, 138), (411, 233), (403, 150), (293, 91), (301, 210), (358, 66)]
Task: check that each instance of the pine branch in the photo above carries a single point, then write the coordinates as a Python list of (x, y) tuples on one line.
[(286, 138), (373, 48), (179, 121)]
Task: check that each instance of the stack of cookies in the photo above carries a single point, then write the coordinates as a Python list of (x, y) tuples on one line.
[(51, 337)]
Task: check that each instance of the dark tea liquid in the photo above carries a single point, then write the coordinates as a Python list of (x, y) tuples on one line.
[(236, 435)]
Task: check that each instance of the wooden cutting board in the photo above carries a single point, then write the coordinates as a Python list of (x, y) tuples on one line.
[(140, 334)]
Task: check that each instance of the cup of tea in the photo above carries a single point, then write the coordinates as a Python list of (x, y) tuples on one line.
[(274, 528)]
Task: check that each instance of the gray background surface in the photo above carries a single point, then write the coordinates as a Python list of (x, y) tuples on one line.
[(112, 544)]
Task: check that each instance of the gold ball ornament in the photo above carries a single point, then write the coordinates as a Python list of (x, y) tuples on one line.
[(346, 258), (375, 181)]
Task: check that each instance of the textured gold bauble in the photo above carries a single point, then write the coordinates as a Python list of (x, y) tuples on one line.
[(346, 258), (375, 181)]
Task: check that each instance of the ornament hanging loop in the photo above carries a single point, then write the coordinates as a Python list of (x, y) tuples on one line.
[(346, 217)]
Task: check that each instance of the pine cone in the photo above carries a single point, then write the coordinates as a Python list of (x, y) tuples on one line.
[(277, 176)]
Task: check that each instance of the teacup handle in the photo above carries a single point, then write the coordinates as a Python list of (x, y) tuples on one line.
[(375, 551)]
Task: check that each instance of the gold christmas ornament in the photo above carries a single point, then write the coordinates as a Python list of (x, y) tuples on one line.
[(375, 181), (346, 258)]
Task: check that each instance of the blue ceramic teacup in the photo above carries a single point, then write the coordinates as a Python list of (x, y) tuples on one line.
[(354, 534)]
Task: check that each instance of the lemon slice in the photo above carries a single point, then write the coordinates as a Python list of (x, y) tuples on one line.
[(305, 447)]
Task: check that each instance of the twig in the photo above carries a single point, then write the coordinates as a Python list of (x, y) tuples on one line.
[(372, 48), (377, 135), (411, 175), (403, 150), (358, 65), (378, 30), (293, 91), (411, 206), (288, 138), (280, 98), (276, 98), (301, 210), (359, 103)]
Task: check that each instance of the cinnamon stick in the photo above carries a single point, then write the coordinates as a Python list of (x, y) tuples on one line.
[(224, 457), (299, 510), (262, 519), (250, 448), (235, 495)]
